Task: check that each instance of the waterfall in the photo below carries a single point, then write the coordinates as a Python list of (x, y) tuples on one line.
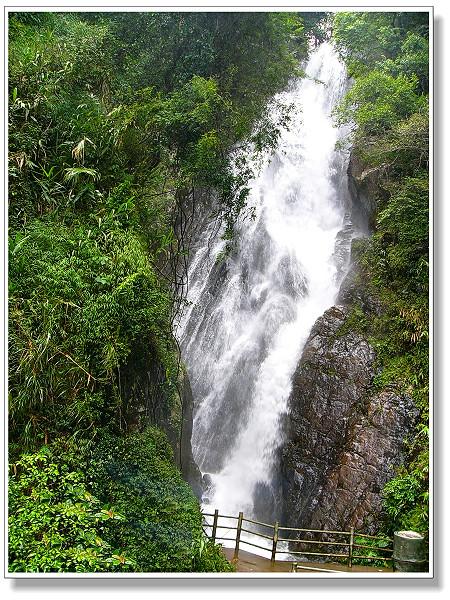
[(251, 314)]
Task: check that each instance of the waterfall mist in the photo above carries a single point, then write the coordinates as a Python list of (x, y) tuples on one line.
[(251, 314)]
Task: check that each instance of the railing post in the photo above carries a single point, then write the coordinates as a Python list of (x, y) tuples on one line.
[(350, 546), (238, 536), (214, 527), (275, 541)]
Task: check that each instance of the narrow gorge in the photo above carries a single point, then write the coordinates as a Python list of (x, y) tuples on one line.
[(285, 427)]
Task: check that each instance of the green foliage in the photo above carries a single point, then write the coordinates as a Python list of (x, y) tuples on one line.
[(80, 301), (374, 548), (402, 234), (355, 321), (212, 77), (406, 499), (364, 39), (210, 559), (402, 151), (58, 133), (55, 524), (378, 101), (387, 54), (90, 284), (93, 96), (161, 529), (314, 24), (412, 59), (115, 121), (368, 40)]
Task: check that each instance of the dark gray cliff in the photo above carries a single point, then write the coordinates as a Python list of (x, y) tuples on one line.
[(344, 442), (148, 402), (366, 193), (189, 468)]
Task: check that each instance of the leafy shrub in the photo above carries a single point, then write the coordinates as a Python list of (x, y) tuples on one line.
[(378, 101), (79, 305), (402, 233), (370, 40), (210, 559), (364, 39), (406, 501), (374, 548), (161, 529), (55, 524)]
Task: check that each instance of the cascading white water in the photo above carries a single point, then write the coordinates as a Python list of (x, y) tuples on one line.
[(250, 316)]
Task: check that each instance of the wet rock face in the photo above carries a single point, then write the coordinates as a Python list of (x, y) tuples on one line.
[(354, 289), (146, 403), (343, 442), (365, 193), (189, 468)]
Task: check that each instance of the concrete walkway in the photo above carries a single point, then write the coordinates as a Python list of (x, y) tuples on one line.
[(251, 563)]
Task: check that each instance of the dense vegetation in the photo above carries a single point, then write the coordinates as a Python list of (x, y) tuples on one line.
[(118, 124), (387, 57)]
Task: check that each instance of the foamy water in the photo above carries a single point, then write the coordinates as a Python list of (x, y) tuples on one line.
[(244, 332)]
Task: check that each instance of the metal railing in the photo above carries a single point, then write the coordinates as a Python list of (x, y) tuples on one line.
[(342, 546)]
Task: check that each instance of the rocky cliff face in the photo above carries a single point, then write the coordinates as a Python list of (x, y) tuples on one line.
[(344, 442), (189, 468), (365, 193), (146, 402)]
